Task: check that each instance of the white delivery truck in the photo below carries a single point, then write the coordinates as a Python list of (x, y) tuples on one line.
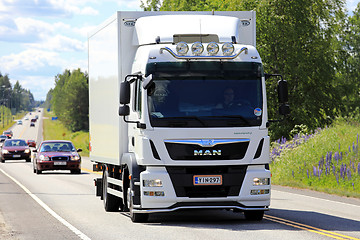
[(178, 113)]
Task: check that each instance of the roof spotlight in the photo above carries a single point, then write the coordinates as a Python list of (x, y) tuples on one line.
[(212, 48), (182, 48), (228, 49), (197, 48)]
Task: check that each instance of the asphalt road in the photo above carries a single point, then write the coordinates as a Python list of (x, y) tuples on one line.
[(59, 205)]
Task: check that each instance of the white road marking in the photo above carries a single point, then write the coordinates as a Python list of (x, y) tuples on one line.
[(48, 209)]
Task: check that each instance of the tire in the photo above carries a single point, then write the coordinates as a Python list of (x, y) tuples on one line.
[(2, 160), (254, 215), (111, 202), (135, 217), (38, 171), (28, 160)]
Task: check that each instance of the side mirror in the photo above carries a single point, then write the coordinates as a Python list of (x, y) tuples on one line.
[(283, 95), (124, 110), (79, 150), (125, 92), (34, 150)]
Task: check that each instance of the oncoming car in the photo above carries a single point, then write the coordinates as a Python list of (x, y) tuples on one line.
[(15, 149), (57, 155)]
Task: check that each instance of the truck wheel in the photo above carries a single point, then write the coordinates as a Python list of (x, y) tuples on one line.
[(38, 171), (135, 217), (111, 202), (254, 215), (28, 160)]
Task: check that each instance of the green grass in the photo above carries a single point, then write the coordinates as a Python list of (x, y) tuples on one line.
[(295, 166), (55, 130)]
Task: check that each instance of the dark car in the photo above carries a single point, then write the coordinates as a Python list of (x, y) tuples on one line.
[(9, 133), (15, 149), (3, 138), (31, 143), (32, 124), (57, 155), (33, 119)]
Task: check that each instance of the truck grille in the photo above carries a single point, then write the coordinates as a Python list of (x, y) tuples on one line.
[(229, 151), (182, 179)]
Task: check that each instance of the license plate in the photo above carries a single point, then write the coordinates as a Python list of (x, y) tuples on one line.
[(207, 180), (59, 163), (16, 156)]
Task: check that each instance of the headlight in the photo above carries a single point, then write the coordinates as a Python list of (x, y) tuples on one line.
[(43, 158), (261, 181), (197, 48), (228, 49), (27, 150), (75, 158), (212, 48), (4, 151), (182, 48), (152, 183)]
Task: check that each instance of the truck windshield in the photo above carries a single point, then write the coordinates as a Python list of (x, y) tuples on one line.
[(205, 94)]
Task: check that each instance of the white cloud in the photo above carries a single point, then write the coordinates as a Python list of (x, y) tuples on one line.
[(59, 8), (38, 85), (22, 29), (59, 43), (30, 60)]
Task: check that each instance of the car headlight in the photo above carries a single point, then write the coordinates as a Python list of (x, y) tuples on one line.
[(75, 158), (4, 151), (27, 150), (43, 158)]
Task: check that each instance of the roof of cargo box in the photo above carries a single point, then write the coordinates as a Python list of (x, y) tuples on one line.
[(149, 28)]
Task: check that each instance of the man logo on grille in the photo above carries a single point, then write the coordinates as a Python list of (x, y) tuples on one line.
[(207, 153)]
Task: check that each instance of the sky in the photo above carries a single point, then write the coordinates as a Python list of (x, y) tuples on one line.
[(41, 38)]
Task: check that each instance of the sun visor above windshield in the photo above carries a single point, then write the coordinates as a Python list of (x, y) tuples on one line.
[(148, 29)]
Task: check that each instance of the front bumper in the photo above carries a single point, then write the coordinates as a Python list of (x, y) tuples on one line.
[(52, 165), (10, 156), (178, 192)]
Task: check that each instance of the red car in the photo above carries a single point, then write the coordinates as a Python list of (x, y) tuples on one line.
[(57, 155), (15, 149), (9, 134), (31, 143)]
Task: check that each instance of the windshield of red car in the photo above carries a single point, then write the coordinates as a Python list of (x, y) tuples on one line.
[(57, 147), (15, 143)]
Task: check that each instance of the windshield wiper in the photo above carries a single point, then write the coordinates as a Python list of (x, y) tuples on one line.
[(193, 117), (233, 117), (175, 122)]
